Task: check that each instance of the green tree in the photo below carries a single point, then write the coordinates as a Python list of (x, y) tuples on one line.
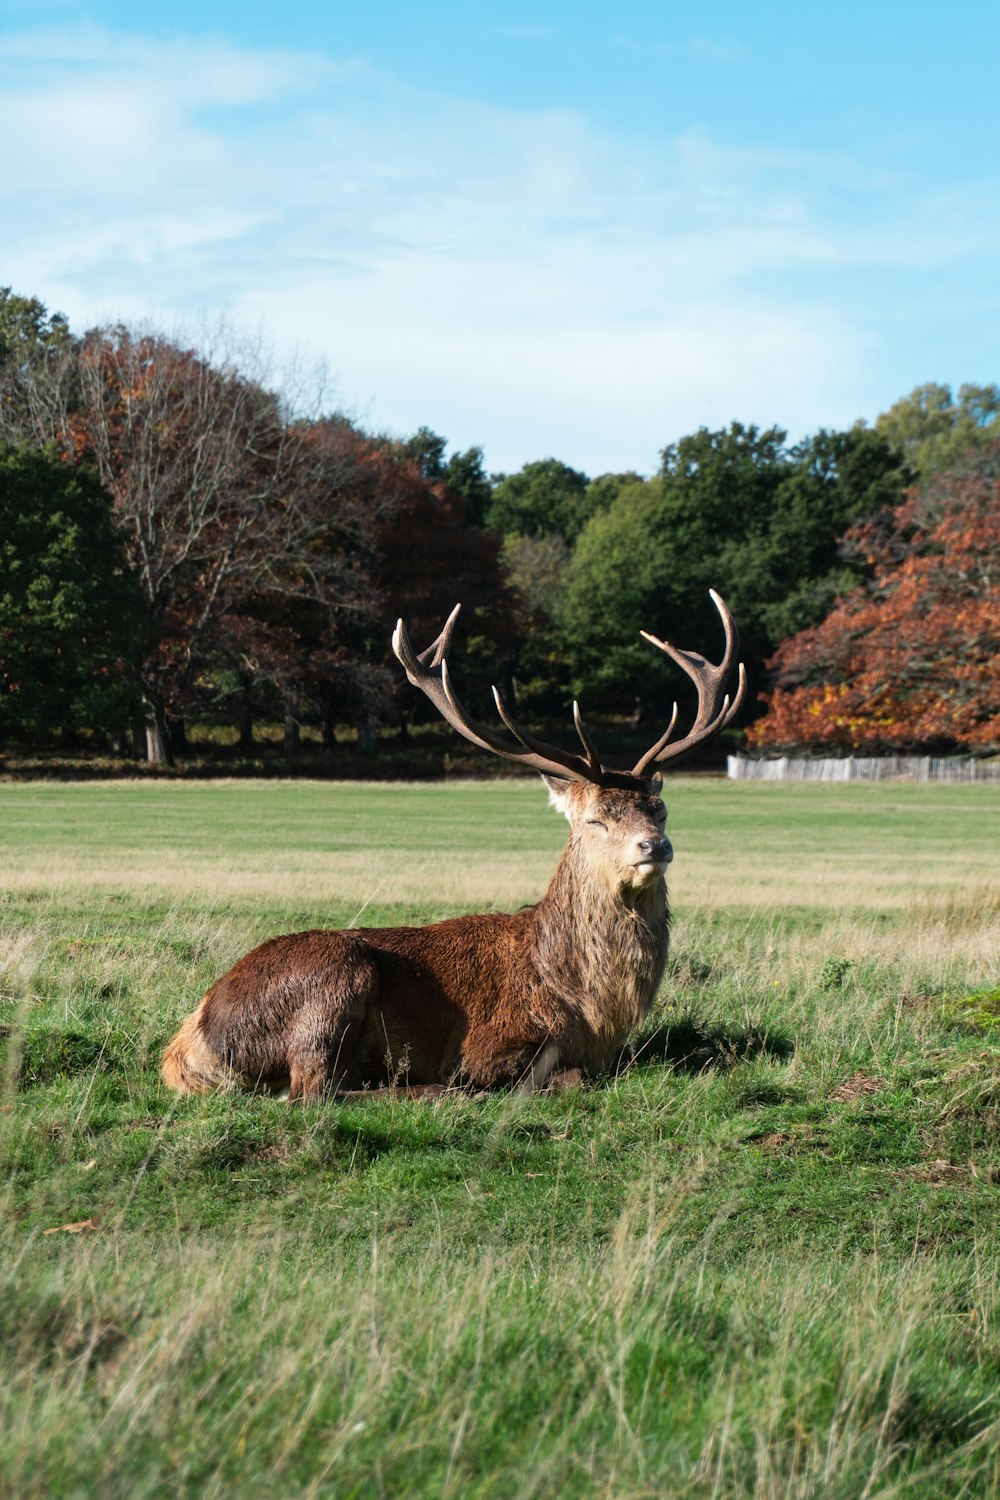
[(603, 491), (720, 499), (72, 619), (535, 570), (735, 510), (543, 498), (426, 449), (26, 323), (837, 478), (37, 369), (614, 589), (935, 432), (542, 510), (464, 475)]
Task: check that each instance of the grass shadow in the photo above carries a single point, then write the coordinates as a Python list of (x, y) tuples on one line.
[(690, 1047)]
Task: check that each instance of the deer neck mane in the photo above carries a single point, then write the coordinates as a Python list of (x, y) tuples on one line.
[(601, 951)]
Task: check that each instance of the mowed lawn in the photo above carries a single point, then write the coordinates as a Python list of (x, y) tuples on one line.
[(760, 1259)]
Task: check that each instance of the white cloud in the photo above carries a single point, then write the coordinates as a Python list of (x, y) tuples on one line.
[(511, 278), (197, 71), (552, 369)]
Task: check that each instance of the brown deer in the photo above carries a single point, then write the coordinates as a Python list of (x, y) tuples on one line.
[(536, 998)]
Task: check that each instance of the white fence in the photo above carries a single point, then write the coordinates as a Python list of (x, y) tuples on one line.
[(862, 768)]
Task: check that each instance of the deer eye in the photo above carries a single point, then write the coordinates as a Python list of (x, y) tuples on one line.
[(596, 823)]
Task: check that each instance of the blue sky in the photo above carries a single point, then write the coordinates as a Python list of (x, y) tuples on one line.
[(578, 230)]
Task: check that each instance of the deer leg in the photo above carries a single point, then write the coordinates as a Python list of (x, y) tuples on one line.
[(539, 1070), (320, 1043), (310, 1080)]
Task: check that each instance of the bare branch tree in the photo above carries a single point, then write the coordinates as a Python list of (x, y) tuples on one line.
[(224, 499)]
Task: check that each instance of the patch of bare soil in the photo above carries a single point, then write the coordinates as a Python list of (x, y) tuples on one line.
[(799, 1138), (941, 1173), (858, 1085)]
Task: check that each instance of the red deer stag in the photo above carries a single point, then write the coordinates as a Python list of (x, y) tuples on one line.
[(534, 998)]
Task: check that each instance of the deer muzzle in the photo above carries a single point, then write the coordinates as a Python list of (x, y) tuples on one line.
[(657, 852)]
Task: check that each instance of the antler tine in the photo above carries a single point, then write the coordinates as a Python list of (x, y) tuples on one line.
[(432, 680), (737, 703), (428, 670), (729, 627), (563, 761), (585, 740), (710, 680), (438, 649), (649, 759)]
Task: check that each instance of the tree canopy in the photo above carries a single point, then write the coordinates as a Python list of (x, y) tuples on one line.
[(257, 555), (72, 619), (912, 656), (461, 473), (543, 498), (935, 432), (37, 367), (735, 510)]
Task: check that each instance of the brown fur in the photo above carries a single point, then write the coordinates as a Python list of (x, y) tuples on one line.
[(477, 1000)]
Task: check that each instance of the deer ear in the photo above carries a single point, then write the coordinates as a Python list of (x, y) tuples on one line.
[(558, 793), (656, 783)]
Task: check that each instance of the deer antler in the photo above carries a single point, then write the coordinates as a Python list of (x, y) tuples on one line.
[(428, 670), (710, 680)]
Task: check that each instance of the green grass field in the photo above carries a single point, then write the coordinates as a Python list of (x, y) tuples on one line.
[(759, 1260)]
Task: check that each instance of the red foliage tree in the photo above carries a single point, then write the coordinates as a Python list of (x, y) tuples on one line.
[(912, 658), (296, 636), (386, 539), (429, 553)]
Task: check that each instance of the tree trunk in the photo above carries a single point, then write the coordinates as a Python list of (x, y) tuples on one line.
[(177, 733), (329, 734), (158, 750), (292, 735), (119, 742), (366, 737), (244, 723)]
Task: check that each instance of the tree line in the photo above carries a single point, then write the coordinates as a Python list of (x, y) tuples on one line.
[(181, 544)]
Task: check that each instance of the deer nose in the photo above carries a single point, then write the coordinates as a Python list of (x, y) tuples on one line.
[(658, 851)]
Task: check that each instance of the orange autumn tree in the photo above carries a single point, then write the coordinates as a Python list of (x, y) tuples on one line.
[(910, 659)]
